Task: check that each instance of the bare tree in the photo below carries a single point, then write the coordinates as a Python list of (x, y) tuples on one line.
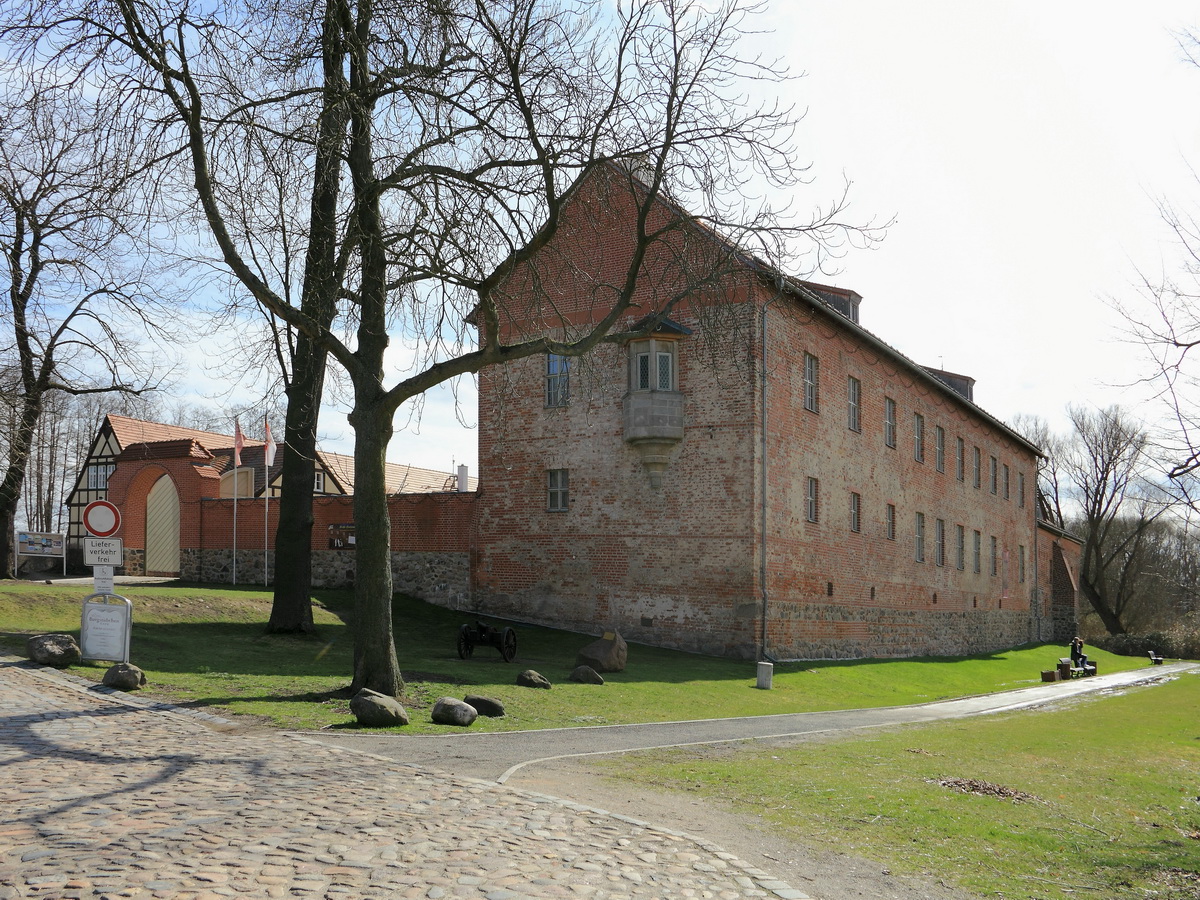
[(444, 142), (1106, 462), (1050, 486), (74, 302)]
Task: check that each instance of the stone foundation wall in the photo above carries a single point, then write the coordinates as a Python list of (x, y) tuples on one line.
[(835, 631), (441, 578), (134, 561)]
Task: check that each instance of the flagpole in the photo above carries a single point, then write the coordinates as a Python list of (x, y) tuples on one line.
[(266, 516), (268, 461), (235, 506), (239, 441)]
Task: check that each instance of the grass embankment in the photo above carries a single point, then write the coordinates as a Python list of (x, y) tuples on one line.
[(1099, 800), (206, 646)]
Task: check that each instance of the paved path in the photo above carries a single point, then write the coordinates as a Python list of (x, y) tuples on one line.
[(499, 756), (106, 797)]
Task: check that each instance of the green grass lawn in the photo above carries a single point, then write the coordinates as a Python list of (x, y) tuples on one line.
[(1101, 799), (1098, 800), (206, 646)]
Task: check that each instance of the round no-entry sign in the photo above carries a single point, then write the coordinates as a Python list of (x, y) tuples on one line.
[(101, 518)]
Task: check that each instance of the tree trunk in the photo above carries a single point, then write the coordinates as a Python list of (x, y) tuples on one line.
[(291, 607), (375, 663), (1111, 620), (19, 443)]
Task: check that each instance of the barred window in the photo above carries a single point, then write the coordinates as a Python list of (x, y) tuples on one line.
[(810, 500), (889, 421)]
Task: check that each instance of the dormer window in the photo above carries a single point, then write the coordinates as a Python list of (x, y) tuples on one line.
[(652, 365)]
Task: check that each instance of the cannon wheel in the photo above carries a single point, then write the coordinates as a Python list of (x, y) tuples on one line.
[(465, 647), (508, 645)]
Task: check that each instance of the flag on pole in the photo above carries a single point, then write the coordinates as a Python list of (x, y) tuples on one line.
[(270, 451), (239, 444)]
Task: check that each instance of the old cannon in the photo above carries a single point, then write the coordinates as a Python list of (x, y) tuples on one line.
[(504, 640)]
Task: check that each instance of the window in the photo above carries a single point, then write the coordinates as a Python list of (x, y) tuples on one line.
[(557, 483), (318, 482), (853, 404), (1021, 490), (960, 459), (994, 555), (1021, 563), (918, 437), (889, 421), (977, 546), (652, 365), (855, 512), (1006, 481), (810, 500), (993, 475), (939, 542), (97, 476), (891, 521), (812, 382), (978, 466), (919, 538), (558, 379), (939, 448), (960, 547)]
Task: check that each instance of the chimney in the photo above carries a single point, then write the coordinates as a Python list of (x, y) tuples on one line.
[(462, 479)]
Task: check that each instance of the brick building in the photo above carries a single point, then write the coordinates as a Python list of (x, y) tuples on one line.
[(762, 475), (176, 491)]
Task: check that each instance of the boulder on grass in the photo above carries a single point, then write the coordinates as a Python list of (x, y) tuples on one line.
[(376, 710), (586, 675), (452, 711), (485, 706), (606, 654), (58, 650), (125, 677), (532, 679)]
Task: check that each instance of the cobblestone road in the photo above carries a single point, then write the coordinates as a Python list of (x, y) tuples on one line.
[(106, 797)]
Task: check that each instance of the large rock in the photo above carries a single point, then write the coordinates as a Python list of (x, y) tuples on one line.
[(58, 650), (485, 706), (607, 654), (452, 711), (125, 677), (376, 710), (532, 679), (586, 675)]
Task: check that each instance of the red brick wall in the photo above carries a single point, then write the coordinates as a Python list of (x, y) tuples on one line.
[(679, 566), (835, 573)]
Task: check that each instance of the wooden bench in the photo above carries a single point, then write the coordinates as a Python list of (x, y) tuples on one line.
[(1068, 670), (1155, 659)]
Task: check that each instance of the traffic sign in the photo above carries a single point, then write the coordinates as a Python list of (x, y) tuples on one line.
[(101, 518), (102, 552)]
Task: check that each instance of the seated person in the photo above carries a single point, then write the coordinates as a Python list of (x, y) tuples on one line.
[(1078, 657)]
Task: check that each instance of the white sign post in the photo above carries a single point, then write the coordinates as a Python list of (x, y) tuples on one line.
[(102, 551), (105, 627)]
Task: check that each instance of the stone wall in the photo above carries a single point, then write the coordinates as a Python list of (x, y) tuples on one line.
[(440, 578)]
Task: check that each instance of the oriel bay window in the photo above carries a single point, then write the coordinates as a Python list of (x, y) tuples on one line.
[(652, 365)]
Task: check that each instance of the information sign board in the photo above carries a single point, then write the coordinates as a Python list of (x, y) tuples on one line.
[(45, 544), (102, 552), (37, 543), (105, 627)]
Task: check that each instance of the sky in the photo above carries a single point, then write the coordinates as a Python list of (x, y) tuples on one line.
[(1021, 149)]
